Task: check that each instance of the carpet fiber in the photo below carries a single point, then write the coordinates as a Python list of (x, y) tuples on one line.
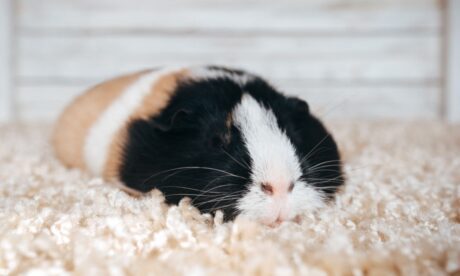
[(398, 214)]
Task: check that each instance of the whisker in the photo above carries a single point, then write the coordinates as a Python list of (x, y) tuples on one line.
[(191, 168), (332, 107), (217, 179), (246, 166), (347, 169), (312, 153), (221, 186), (323, 179), (319, 143), (185, 188), (326, 163), (327, 187), (169, 195), (216, 200), (319, 183), (216, 187), (322, 170), (213, 208), (327, 180), (213, 197)]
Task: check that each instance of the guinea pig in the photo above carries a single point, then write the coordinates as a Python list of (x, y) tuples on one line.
[(223, 137)]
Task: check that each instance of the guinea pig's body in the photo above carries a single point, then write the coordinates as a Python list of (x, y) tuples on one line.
[(225, 138)]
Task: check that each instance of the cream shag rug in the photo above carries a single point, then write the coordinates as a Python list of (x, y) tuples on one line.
[(398, 214)]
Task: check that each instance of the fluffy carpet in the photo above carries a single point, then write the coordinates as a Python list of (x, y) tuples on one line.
[(398, 214)]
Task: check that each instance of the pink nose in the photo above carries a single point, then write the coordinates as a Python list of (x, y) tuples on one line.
[(271, 189), (277, 222)]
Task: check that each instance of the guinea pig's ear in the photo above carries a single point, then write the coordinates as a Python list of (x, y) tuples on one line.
[(298, 104), (177, 120)]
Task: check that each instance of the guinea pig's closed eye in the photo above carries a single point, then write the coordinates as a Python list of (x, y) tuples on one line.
[(184, 121), (180, 118)]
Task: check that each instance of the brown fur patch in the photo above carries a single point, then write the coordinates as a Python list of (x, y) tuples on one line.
[(127, 189), (228, 123), (73, 125), (155, 101)]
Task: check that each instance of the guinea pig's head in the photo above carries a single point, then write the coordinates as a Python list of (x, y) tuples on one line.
[(244, 149)]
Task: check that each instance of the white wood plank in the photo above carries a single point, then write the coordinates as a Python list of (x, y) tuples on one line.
[(6, 112), (453, 62), (339, 58), (366, 102), (372, 102), (44, 103), (232, 15)]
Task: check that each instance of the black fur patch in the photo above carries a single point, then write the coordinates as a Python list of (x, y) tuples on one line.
[(189, 150), (185, 154)]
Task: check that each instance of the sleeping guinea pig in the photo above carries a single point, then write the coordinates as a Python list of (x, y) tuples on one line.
[(224, 138)]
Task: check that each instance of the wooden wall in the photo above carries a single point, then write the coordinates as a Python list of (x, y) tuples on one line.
[(372, 59)]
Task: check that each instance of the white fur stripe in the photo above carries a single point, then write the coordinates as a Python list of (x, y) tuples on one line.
[(272, 153), (274, 161), (101, 134), (202, 72)]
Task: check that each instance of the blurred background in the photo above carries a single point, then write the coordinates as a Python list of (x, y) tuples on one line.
[(376, 59)]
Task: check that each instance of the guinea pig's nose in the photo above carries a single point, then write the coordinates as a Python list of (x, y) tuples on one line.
[(279, 220), (267, 188)]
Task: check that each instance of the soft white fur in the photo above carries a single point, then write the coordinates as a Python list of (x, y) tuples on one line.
[(274, 161), (101, 134)]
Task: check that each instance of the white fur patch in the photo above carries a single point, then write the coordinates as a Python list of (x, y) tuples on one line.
[(274, 161), (102, 133), (202, 72)]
